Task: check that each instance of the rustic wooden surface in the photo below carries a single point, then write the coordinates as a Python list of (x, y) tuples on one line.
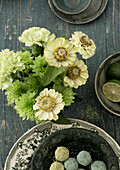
[(18, 15)]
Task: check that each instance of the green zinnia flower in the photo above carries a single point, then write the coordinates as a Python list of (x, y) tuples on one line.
[(76, 75), (86, 46), (36, 35), (60, 52), (48, 104), (10, 64)]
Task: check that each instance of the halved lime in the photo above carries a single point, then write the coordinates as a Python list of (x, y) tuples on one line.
[(113, 71), (112, 91)]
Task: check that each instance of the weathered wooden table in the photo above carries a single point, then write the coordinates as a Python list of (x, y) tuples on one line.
[(18, 15)]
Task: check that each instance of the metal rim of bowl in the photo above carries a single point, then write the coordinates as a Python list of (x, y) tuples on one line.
[(83, 124), (96, 77), (73, 13)]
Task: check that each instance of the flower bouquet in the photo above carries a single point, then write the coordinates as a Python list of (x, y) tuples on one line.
[(39, 79)]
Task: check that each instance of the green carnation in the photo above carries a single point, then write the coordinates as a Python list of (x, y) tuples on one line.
[(10, 64), (68, 96), (39, 66), (15, 90), (24, 107), (36, 35)]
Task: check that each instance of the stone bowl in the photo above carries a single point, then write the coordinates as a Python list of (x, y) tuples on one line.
[(101, 79), (71, 6), (76, 140)]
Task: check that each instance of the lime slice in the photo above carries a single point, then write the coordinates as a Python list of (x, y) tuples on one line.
[(112, 91), (113, 71)]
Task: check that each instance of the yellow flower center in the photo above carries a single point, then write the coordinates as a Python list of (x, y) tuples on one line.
[(61, 53), (73, 72), (85, 41), (46, 103)]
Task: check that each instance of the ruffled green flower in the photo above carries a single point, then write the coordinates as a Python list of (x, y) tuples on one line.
[(60, 52), (68, 96), (10, 64), (33, 83), (24, 106), (36, 35), (27, 59), (39, 66), (15, 90)]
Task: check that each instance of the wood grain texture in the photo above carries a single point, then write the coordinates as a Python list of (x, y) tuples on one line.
[(18, 15)]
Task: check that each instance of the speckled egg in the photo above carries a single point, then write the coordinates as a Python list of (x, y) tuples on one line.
[(98, 165), (57, 166), (61, 153), (84, 158), (71, 164)]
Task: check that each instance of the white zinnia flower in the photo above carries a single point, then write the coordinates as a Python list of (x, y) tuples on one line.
[(76, 75), (36, 35), (10, 63), (86, 46), (49, 103), (60, 52)]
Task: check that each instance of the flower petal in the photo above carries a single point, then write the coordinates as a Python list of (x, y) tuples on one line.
[(50, 117), (56, 110), (38, 113), (84, 75), (35, 107), (60, 106), (51, 92), (55, 116)]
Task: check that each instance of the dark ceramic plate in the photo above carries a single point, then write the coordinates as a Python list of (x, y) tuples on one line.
[(94, 10), (71, 6), (75, 139), (101, 79)]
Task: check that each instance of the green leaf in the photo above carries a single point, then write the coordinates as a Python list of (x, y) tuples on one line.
[(65, 36), (23, 49), (62, 119), (59, 87), (59, 78), (62, 75), (36, 49), (50, 74)]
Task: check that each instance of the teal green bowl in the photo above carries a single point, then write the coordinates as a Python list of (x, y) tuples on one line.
[(71, 6), (101, 79)]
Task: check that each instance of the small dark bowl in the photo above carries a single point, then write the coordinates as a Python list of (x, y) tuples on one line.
[(76, 140), (71, 6), (101, 79)]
